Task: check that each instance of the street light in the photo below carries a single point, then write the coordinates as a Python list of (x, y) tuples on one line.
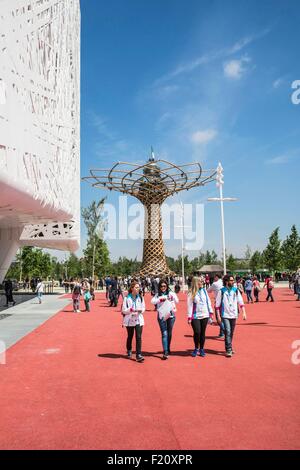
[(220, 182), (66, 266), (182, 226)]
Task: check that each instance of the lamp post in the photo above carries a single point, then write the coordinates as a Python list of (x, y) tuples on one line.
[(221, 199), (66, 266), (182, 227), (21, 265)]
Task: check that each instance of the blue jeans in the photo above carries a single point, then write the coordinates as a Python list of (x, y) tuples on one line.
[(249, 295), (166, 328), (39, 296), (229, 325)]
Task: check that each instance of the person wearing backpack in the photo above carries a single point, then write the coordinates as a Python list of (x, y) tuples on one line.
[(269, 284), (132, 310), (167, 319), (228, 302), (76, 292), (199, 310)]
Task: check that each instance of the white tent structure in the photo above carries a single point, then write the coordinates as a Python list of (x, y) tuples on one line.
[(39, 126)]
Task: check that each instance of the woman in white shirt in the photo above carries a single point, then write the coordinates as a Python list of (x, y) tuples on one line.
[(199, 310), (165, 316), (40, 290), (132, 310)]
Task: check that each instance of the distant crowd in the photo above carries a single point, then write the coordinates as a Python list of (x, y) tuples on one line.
[(226, 293)]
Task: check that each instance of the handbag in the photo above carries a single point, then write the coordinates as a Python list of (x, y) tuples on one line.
[(165, 309), (87, 296)]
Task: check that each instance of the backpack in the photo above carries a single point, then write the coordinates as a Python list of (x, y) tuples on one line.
[(87, 296)]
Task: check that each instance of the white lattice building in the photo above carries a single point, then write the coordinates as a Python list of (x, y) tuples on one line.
[(39, 125)]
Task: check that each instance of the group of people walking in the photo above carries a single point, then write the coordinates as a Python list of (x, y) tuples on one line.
[(39, 288), (228, 300), (133, 309), (252, 285)]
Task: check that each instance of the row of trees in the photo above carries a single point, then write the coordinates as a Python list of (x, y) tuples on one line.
[(34, 262)]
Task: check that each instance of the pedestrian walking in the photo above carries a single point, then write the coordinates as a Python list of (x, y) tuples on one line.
[(269, 284), (165, 301), (8, 289), (256, 288), (214, 289), (248, 290), (40, 290), (133, 319), (76, 293), (228, 302), (199, 310), (86, 286)]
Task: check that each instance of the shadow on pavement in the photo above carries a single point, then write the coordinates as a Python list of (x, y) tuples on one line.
[(157, 354)]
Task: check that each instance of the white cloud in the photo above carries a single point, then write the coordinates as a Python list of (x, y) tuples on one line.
[(202, 137), (162, 121), (277, 83), (166, 91), (235, 69), (278, 160), (210, 56), (110, 145), (239, 45)]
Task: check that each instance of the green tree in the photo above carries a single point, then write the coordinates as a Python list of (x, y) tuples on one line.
[(125, 267), (96, 258), (272, 253), (248, 253), (255, 262), (231, 263), (290, 250), (34, 262), (96, 254), (72, 267), (214, 257), (208, 258), (14, 271), (171, 263)]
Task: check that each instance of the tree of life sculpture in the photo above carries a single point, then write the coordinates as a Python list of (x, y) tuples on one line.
[(151, 183)]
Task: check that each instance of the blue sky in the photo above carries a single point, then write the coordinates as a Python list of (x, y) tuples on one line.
[(203, 81)]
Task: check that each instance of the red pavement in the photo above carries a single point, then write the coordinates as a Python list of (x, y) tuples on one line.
[(57, 393)]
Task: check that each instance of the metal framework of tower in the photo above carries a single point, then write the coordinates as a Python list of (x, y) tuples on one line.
[(151, 183)]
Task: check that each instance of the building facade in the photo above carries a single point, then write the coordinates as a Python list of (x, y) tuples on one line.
[(39, 126)]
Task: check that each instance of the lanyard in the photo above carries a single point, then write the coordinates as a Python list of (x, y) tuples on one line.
[(194, 303), (230, 300), (134, 301)]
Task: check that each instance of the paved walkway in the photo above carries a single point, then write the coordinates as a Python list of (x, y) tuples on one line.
[(16, 322), (69, 385)]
